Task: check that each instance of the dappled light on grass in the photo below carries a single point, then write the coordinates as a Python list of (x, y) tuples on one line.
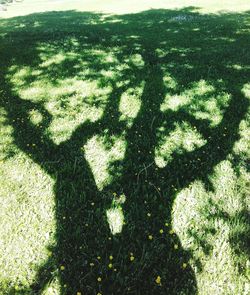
[(53, 288), (35, 117), (130, 104), (115, 220), (115, 216), (101, 157), (202, 100), (142, 106), (6, 139), (184, 138), (26, 207), (208, 229), (246, 90), (70, 101)]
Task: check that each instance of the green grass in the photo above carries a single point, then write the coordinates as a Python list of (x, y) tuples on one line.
[(125, 153)]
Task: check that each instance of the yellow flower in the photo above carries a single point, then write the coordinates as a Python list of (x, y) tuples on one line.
[(158, 280), (99, 279), (65, 285), (98, 257), (78, 293), (150, 237), (161, 231), (91, 264), (184, 265), (62, 267), (16, 288), (99, 293), (171, 232), (166, 224), (149, 214), (132, 258), (111, 257), (176, 246), (110, 265)]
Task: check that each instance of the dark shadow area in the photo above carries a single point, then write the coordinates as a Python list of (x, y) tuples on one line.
[(181, 44)]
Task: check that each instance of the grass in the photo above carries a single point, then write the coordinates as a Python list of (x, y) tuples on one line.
[(122, 6), (124, 157)]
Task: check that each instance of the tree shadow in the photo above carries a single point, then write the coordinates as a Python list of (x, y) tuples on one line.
[(171, 52)]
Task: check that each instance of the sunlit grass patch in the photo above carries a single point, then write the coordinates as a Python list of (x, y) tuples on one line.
[(115, 220), (27, 212), (202, 87), (53, 60), (137, 60), (6, 138), (36, 117), (100, 157), (53, 288), (183, 138), (115, 216), (174, 102), (202, 100), (170, 83), (69, 101), (242, 147), (130, 104), (246, 90), (207, 229), (211, 109)]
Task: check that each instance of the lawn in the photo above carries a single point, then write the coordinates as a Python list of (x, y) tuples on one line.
[(124, 148)]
